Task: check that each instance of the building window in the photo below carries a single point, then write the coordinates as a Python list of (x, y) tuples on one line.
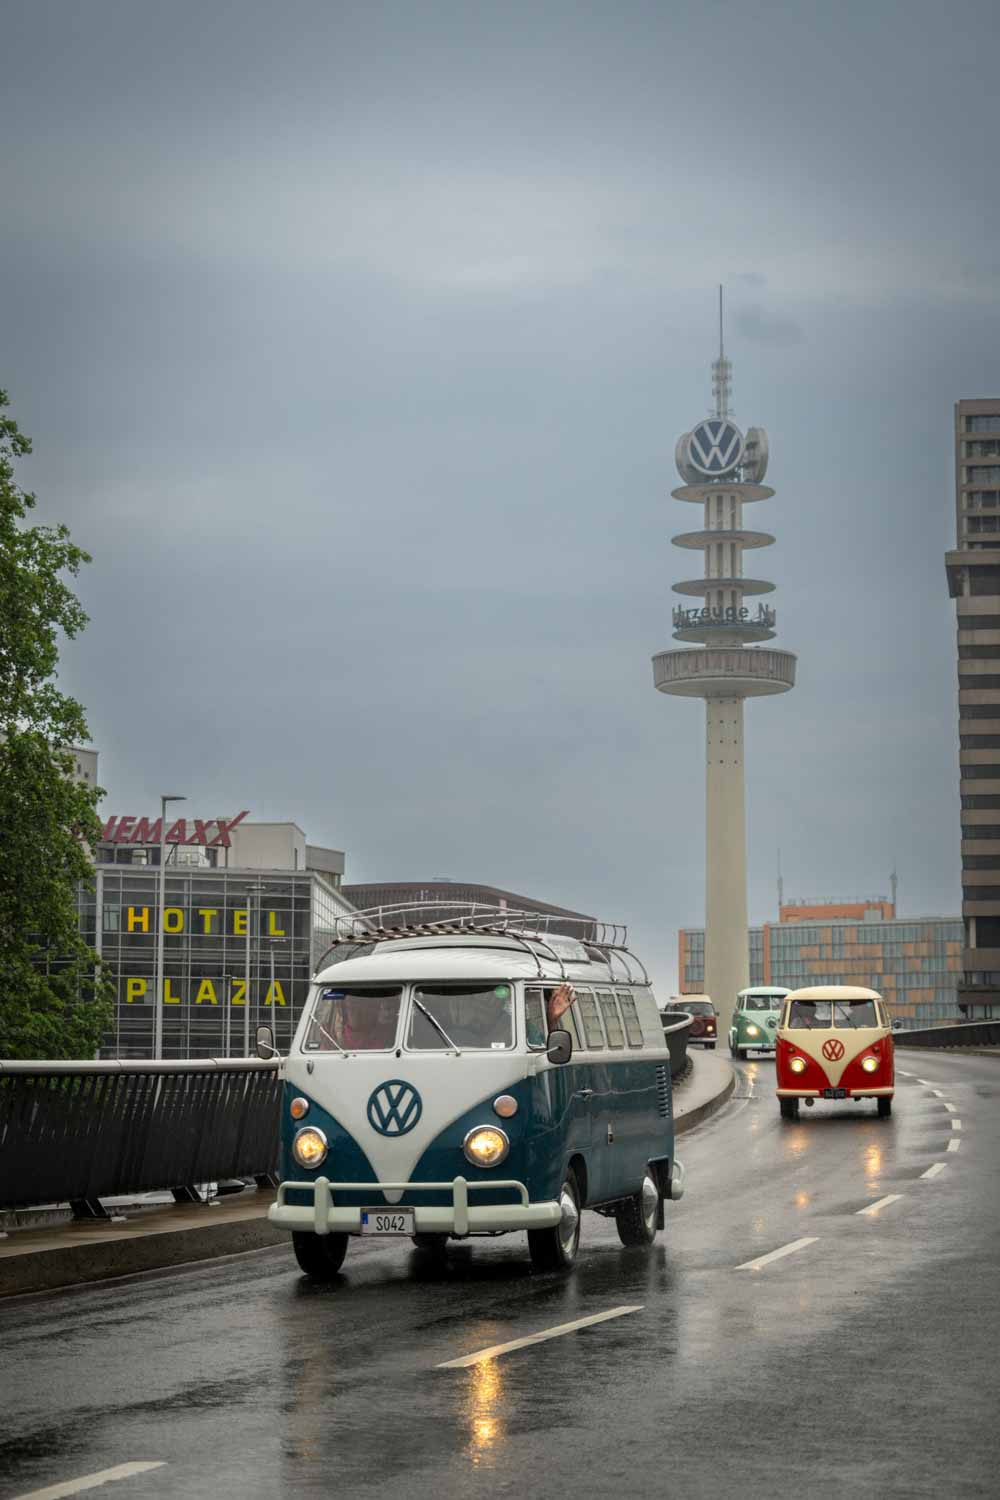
[(988, 423)]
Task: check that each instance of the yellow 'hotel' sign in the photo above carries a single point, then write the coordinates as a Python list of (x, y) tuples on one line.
[(204, 920)]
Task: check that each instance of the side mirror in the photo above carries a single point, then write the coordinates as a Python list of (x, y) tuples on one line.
[(265, 1043), (559, 1047)]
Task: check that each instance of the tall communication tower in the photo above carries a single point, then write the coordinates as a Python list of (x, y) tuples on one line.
[(722, 471)]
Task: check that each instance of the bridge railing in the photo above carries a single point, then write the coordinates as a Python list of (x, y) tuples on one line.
[(80, 1131), (676, 1026), (963, 1034)]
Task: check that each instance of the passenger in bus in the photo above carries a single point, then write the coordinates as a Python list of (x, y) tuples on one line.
[(558, 1003), (806, 1014)]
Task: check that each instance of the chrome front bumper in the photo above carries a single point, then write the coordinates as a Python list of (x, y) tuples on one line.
[(459, 1218)]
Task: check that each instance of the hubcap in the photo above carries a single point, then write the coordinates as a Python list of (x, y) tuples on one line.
[(569, 1220), (650, 1199)]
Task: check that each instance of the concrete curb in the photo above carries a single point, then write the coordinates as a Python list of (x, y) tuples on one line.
[(167, 1237), (713, 1093)]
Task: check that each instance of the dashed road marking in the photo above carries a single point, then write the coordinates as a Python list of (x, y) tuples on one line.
[(938, 1092), (874, 1208), (537, 1338), (956, 1123), (90, 1481), (935, 1170), (954, 1143), (928, 1083), (765, 1260), (949, 1107), (902, 1074)]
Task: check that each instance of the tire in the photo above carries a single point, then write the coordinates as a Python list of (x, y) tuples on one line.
[(789, 1109), (636, 1216), (710, 1046), (320, 1255), (431, 1244), (555, 1249), (884, 1106), (735, 1051)]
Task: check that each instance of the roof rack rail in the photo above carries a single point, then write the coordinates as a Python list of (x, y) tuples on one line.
[(470, 919)]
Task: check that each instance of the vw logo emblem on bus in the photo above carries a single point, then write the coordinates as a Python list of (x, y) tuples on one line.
[(715, 446), (394, 1107), (833, 1050)]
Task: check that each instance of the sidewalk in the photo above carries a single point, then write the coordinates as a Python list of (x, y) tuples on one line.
[(150, 1238)]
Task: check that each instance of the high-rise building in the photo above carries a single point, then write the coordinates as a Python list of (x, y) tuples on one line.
[(915, 962), (973, 570), (722, 470)]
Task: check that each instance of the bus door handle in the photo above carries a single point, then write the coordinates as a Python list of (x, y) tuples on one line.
[(585, 1093)]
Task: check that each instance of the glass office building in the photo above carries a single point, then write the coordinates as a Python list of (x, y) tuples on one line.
[(239, 948), (915, 963)]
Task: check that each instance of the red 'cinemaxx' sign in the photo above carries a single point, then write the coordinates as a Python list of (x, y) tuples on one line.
[(212, 832)]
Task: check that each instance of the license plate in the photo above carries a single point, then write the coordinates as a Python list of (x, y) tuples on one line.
[(834, 1093), (387, 1221)]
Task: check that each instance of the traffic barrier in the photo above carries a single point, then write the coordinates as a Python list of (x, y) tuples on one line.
[(964, 1034), (676, 1026), (79, 1131)]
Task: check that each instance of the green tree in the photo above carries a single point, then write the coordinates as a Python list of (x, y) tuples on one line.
[(54, 1000)]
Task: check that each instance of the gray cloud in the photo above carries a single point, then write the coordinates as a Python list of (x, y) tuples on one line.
[(355, 349)]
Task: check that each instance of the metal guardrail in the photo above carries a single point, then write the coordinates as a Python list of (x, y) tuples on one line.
[(676, 1026), (964, 1034), (80, 1131)]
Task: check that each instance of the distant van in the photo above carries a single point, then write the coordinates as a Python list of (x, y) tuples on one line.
[(436, 1090), (834, 1042)]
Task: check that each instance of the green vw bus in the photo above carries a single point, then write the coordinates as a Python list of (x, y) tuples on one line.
[(755, 1020)]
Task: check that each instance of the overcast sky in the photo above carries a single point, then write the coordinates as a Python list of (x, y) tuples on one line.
[(354, 341)]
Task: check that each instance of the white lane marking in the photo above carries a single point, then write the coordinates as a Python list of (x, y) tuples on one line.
[(873, 1208), (938, 1092), (935, 1170), (537, 1338), (956, 1123), (90, 1481), (764, 1260), (949, 1107), (902, 1074), (928, 1083), (954, 1143)]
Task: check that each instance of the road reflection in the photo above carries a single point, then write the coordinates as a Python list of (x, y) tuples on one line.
[(487, 1427)]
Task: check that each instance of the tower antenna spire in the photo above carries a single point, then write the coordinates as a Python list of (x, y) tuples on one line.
[(722, 372)]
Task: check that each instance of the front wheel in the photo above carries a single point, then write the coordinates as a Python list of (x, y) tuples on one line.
[(884, 1106), (636, 1216), (319, 1255), (555, 1249), (710, 1046), (735, 1051), (789, 1109)]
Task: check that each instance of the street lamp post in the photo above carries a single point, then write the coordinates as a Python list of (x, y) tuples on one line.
[(160, 904)]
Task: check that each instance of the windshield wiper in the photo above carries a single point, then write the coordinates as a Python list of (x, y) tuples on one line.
[(435, 1023), (321, 1028)]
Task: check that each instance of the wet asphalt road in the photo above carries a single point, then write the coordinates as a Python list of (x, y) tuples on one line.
[(866, 1360)]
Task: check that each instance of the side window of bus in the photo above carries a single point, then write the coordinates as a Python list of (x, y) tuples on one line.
[(586, 1005), (630, 1015), (612, 1020), (534, 1017)]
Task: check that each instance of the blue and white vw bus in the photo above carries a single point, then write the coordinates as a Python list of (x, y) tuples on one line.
[(433, 1090)]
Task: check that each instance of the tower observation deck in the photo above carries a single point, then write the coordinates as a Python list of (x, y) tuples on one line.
[(723, 471)]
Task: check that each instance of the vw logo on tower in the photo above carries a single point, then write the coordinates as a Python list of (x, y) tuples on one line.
[(394, 1107), (715, 447)]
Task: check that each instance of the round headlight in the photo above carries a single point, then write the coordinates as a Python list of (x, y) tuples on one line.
[(309, 1147), (870, 1064), (486, 1146), (299, 1108), (797, 1064), (752, 1031), (505, 1105)]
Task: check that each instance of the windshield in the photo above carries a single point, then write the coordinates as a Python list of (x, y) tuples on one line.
[(855, 1013), (353, 1019), (467, 1016), (809, 1013), (699, 1008), (762, 1002)]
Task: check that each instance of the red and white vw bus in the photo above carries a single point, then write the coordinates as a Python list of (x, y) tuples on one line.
[(834, 1042)]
